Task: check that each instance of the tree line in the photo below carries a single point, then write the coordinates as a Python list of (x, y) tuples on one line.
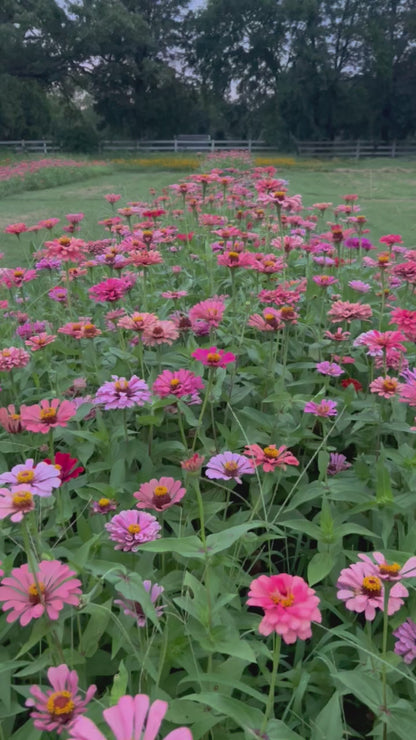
[(281, 70)]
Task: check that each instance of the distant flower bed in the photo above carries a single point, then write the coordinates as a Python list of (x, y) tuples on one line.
[(35, 174)]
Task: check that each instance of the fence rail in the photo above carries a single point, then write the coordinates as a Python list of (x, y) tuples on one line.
[(180, 145), (356, 149), (22, 146)]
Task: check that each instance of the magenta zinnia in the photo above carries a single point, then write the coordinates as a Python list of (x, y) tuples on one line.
[(55, 709), (180, 383), (30, 595), (213, 357), (289, 606)]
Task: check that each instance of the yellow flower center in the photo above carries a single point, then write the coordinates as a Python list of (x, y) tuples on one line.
[(285, 601), (15, 417), (230, 467), (121, 386), (389, 569), (389, 385), (213, 357), (25, 476), (104, 502), (35, 593), (160, 491), (22, 499), (175, 382), (134, 528), (60, 704), (371, 586), (268, 316), (286, 311), (270, 452), (233, 255), (18, 273), (48, 414)]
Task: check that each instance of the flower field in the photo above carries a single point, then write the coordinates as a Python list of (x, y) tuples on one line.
[(208, 469)]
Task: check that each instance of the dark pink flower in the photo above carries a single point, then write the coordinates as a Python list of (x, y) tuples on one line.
[(180, 383), (130, 528), (56, 709), (65, 465), (133, 608), (110, 290), (213, 357), (323, 409), (289, 606), (30, 596)]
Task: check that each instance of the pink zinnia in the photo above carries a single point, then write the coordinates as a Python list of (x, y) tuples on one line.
[(10, 419), (56, 709), (289, 606), (159, 494), (132, 608), (385, 387), (193, 464), (270, 457), (12, 357), (40, 341), (160, 332), (15, 504), (213, 357), (67, 249), (138, 321), (110, 290), (389, 571), (323, 409), (131, 528), (47, 415), (329, 368), (39, 479), (346, 311), (406, 321), (380, 342), (211, 311), (122, 394), (363, 591), (179, 383), (30, 596), (65, 465), (128, 719), (229, 466)]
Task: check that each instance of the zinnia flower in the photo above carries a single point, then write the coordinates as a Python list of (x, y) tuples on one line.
[(56, 709), (324, 409), (39, 479), (132, 608), (159, 332), (337, 463), (179, 383), (406, 641), (128, 719), (15, 504), (159, 494), (65, 465), (110, 290), (385, 387), (12, 357), (270, 457), (131, 528), (10, 420), (229, 466), (346, 311), (30, 596), (213, 357), (103, 506), (289, 606), (329, 368), (122, 394), (47, 415), (389, 571), (363, 591)]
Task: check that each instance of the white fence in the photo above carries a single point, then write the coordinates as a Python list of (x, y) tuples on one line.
[(28, 146), (356, 149), (204, 144)]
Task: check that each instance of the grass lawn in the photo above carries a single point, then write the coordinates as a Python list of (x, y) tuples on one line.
[(386, 192)]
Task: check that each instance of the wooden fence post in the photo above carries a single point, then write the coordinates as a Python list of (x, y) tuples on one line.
[(175, 145), (357, 150), (213, 145), (249, 145), (393, 149)]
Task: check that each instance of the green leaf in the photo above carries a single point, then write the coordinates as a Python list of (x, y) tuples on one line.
[(384, 492), (319, 567), (223, 540), (242, 714), (119, 686), (278, 730), (188, 547), (328, 724), (100, 617)]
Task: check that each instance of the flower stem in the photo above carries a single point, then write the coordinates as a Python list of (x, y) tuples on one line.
[(270, 698), (204, 405)]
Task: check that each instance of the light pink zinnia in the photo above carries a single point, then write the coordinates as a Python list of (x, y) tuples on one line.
[(29, 596), (385, 387), (160, 332), (15, 504), (389, 571), (159, 494), (128, 719), (130, 528), (329, 368), (132, 608), (47, 415), (346, 311), (229, 466), (323, 409), (10, 419), (12, 357), (179, 383), (213, 357), (289, 606), (122, 394), (39, 479), (363, 591), (270, 457), (138, 321), (56, 709)]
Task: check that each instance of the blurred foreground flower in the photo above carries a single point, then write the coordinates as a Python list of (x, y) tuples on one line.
[(406, 641), (128, 719)]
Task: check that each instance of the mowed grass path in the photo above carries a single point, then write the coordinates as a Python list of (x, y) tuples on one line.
[(387, 194)]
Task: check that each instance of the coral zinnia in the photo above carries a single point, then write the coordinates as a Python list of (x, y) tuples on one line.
[(47, 414), (30, 596), (56, 709), (270, 457), (289, 606)]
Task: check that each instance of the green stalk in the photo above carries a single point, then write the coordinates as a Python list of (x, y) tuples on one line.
[(270, 698)]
